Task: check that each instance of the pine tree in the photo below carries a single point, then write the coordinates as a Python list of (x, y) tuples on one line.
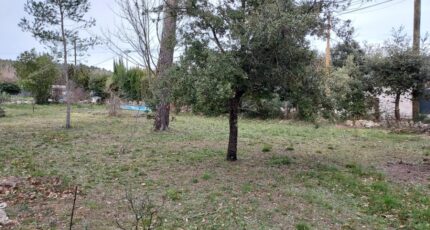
[(49, 22)]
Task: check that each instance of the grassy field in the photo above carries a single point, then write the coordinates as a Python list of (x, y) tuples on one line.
[(289, 175)]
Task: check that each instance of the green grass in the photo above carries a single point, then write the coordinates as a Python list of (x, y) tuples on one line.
[(289, 175)]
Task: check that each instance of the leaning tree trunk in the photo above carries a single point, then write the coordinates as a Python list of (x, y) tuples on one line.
[(397, 107), (165, 61), (234, 104)]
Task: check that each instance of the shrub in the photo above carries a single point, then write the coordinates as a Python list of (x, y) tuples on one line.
[(97, 85), (36, 73), (9, 88)]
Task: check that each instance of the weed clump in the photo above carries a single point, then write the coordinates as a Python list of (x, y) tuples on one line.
[(279, 160), (302, 226), (266, 148), (173, 194)]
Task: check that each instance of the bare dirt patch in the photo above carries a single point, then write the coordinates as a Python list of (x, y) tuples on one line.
[(407, 172), (37, 195)]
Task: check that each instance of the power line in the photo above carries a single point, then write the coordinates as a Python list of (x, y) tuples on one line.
[(364, 7), (103, 61), (383, 7)]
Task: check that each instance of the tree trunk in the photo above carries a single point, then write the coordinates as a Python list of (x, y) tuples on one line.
[(397, 107), (165, 61), (416, 48), (234, 104), (415, 105), (65, 72), (376, 106)]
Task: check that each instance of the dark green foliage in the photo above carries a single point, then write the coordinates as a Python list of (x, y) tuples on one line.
[(349, 87), (80, 75), (207, 94), (258, 68), (132, 84), (97, 85), (9, 88), (36, 74), (348, 48), (306, 92)]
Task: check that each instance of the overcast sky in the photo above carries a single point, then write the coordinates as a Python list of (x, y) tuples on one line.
[(373, 25)]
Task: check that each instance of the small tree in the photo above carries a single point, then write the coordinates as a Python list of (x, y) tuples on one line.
[(398, 69), (36, 74), (56, 23), (247, 48), (348, 90)]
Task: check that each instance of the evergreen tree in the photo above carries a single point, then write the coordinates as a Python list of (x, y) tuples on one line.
[(56, 24), (246, 48)]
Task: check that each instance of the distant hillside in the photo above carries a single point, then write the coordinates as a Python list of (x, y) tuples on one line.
[(8, 74)]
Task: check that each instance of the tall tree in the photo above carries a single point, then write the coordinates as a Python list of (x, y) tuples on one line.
[(56, 24), (165, 61), (139, 31), (246, 48)]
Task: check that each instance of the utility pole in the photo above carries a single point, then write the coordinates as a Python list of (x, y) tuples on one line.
[(327, 48), (416, 49)]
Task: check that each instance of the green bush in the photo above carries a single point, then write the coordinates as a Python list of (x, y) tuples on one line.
[(36, 74), (97, 84), (132, 84), (10, 88)]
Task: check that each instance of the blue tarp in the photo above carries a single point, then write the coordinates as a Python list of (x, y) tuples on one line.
[(136, 108)]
